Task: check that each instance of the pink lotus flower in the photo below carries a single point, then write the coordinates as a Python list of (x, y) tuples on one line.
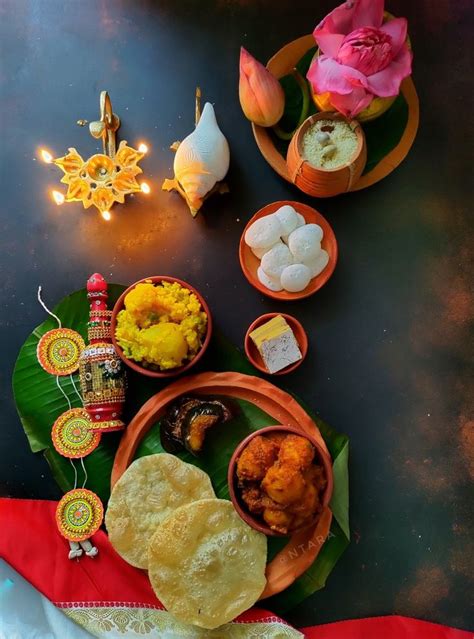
[(360, 56), (261, 96)]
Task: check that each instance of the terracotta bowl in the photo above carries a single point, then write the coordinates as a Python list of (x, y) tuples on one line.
[(255, 522), (318, 181), (252, 351), (119, 305), (250, 263)]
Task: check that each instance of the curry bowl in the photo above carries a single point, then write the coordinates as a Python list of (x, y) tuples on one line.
[(255, 520)]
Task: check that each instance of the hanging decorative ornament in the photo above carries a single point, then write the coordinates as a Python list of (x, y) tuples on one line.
[(101, 372), (72, 434), (59, 350), (80, 512), (79, 515)]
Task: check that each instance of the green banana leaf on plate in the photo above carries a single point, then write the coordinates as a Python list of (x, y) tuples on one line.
[(39, 402)]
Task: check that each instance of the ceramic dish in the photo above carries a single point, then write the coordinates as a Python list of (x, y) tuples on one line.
[(257, 522), (250, 263), (252, 351), (157, 279), (280, 407), (281, 64)]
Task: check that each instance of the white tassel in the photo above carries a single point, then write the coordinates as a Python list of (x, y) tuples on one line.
[(76, 550)]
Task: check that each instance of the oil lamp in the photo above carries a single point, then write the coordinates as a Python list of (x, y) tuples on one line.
[(104, 178)]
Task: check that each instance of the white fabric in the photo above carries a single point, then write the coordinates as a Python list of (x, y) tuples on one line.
[(26, 614)]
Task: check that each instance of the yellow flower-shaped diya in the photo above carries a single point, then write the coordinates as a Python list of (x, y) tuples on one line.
[(104, 178)]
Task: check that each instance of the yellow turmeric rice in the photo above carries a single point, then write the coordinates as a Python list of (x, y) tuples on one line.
[(161, 326)]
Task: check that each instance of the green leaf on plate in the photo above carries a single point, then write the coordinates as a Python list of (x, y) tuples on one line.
[(39, 402)]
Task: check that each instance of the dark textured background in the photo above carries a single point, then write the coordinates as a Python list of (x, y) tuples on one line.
[(390, 351)]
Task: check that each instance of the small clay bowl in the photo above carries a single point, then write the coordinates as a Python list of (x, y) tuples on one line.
[(252, 351), (249, 263), (318, 181), (120, 304), (256, 522)]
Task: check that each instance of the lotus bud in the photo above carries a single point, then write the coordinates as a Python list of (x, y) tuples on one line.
[(261, 96)]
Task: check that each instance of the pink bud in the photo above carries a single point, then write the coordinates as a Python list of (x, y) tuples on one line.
[(261, 96)]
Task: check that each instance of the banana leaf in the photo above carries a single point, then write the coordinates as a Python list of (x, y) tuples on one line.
[(382, 135), (39, 403)]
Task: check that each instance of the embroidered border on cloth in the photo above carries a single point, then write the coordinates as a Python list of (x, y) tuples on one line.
[(139, 620)]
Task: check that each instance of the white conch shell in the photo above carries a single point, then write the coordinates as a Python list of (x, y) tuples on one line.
[(202, 159)]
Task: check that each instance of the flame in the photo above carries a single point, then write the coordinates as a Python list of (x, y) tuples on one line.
[(143, 148), (46, 156), (106, 215), (145, 188), (58, 197)]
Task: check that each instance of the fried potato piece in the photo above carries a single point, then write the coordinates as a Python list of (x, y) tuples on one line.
[(256, 459), (150, 490), (283, 483), (296, 451), (279, 520), (206, 565), (253, 498), (316, 475), (309, 502)]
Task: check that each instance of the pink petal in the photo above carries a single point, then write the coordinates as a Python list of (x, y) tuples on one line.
[(352, 104), (325, 74), (367, 13), (386, 83), (339, 20), (397, 30), (329, 43)]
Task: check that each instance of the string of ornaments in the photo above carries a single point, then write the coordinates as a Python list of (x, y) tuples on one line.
[(77, 432)]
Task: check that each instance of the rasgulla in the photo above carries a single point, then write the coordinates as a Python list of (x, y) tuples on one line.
[(288, 218), (277, 258), (272, 283), (264, 232), (260, 252), (295, 278), (305, 242), (318, 264)]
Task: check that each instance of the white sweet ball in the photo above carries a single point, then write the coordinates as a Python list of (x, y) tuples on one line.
[(295, 278), (305, 242), (260, 252), (300, 221), (277, 258), (264, 232), (272, 283), (288, 218), (318, 264)]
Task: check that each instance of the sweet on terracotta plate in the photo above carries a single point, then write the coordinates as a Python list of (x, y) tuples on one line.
[(250, 263)]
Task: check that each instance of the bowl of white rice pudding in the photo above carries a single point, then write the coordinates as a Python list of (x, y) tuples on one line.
[(327, 155)]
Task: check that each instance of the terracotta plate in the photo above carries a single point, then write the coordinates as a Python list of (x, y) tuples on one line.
[(281, 64), (290, 563), (250, 263)]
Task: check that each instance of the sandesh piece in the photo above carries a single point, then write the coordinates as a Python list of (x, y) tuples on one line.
[(276, 344)]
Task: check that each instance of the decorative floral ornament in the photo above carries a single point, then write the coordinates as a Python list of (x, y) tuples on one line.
[(361, 56), (101, 180), (112, 368)]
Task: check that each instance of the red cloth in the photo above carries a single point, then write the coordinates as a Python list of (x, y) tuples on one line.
[(393, 627), (32, 545)]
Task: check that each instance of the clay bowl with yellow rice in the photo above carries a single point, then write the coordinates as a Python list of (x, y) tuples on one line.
[(263, 483), (161, 326)]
